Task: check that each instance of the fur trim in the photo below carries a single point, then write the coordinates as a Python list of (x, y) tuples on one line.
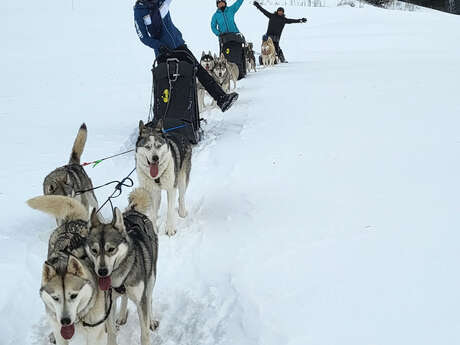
[(61, 207), (78, 145)]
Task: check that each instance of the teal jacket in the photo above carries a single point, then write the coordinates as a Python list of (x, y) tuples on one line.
[(224, 21)]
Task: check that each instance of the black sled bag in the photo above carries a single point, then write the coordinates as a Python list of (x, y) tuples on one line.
[(232, 46), (175, 97)]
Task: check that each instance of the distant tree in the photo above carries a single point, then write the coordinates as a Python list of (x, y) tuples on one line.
[(379, 3)]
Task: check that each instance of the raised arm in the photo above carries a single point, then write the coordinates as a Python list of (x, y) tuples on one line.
[(214, 26), (144, 35), (263, 10), (164, 8), (236, 6)]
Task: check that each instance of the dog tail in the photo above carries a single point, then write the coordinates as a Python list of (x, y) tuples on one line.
[(78, 145), (140, 200), (61, 207)]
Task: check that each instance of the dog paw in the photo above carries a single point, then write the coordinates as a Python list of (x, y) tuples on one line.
[(122, 319), (51, 338), (183, 212), (170, 231), (154, 325)]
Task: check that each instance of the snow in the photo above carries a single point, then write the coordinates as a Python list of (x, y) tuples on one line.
[(323, 207)]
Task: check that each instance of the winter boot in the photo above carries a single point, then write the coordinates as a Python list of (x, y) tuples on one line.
[(226, 101)]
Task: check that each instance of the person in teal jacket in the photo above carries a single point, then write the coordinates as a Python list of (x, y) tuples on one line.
[(223, 21)]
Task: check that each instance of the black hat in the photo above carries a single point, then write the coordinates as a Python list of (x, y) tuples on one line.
[(217, 1), (280, 9)]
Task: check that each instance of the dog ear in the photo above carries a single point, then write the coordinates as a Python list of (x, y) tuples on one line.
[(141, 126), (159, 126), (117, 221), (209, 53), (75, 267), (48, 273), (203, 54), (94, 219)]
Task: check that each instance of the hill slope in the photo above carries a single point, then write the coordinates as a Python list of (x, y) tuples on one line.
[(323, 207)]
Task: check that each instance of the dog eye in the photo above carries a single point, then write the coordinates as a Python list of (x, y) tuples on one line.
[(157, 145), (55, 298), (110, 250), (94, 251), (73, 296), (148, 147)]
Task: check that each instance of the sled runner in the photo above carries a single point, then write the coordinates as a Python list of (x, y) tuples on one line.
[(232, 46), (175, 94)]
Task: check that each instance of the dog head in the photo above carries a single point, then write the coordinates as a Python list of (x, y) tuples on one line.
[(207, 61), (107, 246), (221, 68), (59, 182), (66, 291), (151, 149)]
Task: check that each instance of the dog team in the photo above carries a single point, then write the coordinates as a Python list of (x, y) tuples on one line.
[(91, 262)]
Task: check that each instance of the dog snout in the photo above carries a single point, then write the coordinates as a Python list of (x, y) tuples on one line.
[(155, 158), (102, 272), (65, 321)]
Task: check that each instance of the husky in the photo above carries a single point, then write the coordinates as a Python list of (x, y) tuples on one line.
[(164, 162), (224, 72), (250, 57), (72, 178), (69, 288), (269, 57), (207, 62), (124, 253)]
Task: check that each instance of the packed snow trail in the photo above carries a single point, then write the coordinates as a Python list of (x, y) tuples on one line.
[(322, 207)]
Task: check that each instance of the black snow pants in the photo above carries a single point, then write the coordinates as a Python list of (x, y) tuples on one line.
[(208, 82)]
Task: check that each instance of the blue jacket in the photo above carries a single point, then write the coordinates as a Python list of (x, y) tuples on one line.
[(224, 21), (170, 36)]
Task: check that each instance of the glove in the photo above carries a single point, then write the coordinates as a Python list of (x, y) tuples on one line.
[(255, 3), (303, 20)]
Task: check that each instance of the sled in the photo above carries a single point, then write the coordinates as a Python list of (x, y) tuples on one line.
[(175, 94), (232, 46)]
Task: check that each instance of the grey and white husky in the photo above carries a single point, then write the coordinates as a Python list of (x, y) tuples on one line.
[(225, 72), (124, 253), (164, 162), (207, 62), (250, 57), (71, 178), (69, 285)]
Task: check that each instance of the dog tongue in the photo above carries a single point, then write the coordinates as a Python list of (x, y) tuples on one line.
[(154, 170), (105, 283), (67, 332)]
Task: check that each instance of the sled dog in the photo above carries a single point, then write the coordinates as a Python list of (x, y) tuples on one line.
[(69, 285), (224, 72), (163, 162), (207, 62), (269, 57), (250, 57), (71, 178), (124, 254)]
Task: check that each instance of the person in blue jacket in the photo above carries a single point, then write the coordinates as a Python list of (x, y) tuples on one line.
[(155, 29), (223, 21)]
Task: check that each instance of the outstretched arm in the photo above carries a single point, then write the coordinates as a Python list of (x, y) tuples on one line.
[(236, 6), (261, 9), (292, 21), (214, 26)]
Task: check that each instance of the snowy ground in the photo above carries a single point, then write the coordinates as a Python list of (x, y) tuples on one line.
[(323, 208)]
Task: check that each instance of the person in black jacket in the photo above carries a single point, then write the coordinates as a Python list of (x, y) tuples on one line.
[(276, 26)]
